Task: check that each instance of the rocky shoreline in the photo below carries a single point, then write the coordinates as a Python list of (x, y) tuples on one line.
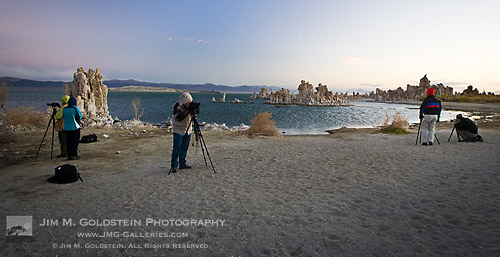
[(144, 89)]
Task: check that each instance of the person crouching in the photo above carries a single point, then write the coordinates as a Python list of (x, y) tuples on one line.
[(72, 125), (467, 130), (181, 123)]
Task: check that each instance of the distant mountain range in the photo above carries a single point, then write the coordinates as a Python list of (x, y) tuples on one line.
[(17, 82)]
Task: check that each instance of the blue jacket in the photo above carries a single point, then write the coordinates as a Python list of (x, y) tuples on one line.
[(70, 117)]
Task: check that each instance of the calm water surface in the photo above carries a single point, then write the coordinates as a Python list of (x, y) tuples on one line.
[(290, 119)]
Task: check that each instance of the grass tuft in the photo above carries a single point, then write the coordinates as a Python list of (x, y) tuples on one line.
[(263, 125), (397, 126)]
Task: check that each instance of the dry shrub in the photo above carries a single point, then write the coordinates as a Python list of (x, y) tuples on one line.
[(399, 122), (136, 106), (398, 125), (25, 117), (263, 125)]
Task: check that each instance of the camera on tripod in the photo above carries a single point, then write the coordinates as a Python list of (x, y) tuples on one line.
[(54, 104), (51, 121), (194, 108)]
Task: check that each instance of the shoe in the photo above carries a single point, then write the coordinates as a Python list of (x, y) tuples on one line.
[(172, 170), (430, 143), (185, 167), (61, 156), (424, 144), (478, 138)]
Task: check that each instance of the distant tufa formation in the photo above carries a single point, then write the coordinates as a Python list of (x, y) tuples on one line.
[(417, 93), (412, 93), (306, 96), (91, 97)]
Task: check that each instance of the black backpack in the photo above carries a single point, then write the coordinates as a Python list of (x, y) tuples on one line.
[(89, 139), (65, 174)]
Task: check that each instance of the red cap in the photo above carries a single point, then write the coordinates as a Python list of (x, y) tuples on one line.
[(430, 91)]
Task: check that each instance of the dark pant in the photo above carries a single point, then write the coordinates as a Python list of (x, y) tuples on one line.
[(72, 140), (179, 151), (466, 135), (62, 142)]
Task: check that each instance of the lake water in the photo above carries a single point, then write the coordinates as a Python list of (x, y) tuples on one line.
[(290, 119)]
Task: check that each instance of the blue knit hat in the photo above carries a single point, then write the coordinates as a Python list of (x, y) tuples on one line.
[(72, 101)]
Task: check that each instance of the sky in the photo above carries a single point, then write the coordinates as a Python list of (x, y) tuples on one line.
[(350, 44)]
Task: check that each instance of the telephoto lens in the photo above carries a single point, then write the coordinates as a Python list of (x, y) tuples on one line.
[(194, 108), (54, 104)]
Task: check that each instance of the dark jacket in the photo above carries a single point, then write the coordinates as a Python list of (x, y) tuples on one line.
[(466, 124), (430, 105)]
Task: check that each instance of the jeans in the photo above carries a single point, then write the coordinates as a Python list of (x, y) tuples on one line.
[(428, 127), (179, 151)]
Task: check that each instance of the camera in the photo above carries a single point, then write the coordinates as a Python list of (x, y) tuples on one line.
[(54, 104), (194, 108)]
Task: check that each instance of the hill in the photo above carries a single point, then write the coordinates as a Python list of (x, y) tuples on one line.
[(17, 82), (114, 83)]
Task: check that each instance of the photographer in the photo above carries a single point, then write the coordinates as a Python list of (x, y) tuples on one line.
[(60, 126), (183, 111), (430, 111), (467, 130), (72, 125)]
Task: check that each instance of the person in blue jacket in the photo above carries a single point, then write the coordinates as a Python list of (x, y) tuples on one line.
[(430, 111), (72, 125)]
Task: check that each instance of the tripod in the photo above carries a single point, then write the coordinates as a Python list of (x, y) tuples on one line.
[(198, 137), (51, 121), (458, 136)]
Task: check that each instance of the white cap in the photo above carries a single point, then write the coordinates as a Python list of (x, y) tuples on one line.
[(185, 98)]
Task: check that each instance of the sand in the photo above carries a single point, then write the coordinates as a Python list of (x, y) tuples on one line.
[(346, 194)]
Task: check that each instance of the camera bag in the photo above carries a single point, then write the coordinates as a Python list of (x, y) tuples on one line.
[(89, 139), (64, 174)]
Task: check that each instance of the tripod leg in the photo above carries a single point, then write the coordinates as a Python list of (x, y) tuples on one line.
[(199, 136), (204, 157), (45, 134), (52, 146), (437, 139), (208, 154), (418, 132), (451, 134)]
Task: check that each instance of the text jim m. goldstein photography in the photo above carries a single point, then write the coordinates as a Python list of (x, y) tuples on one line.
[(149, 222)]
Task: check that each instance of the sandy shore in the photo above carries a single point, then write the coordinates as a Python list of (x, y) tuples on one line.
[(346, 194)]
